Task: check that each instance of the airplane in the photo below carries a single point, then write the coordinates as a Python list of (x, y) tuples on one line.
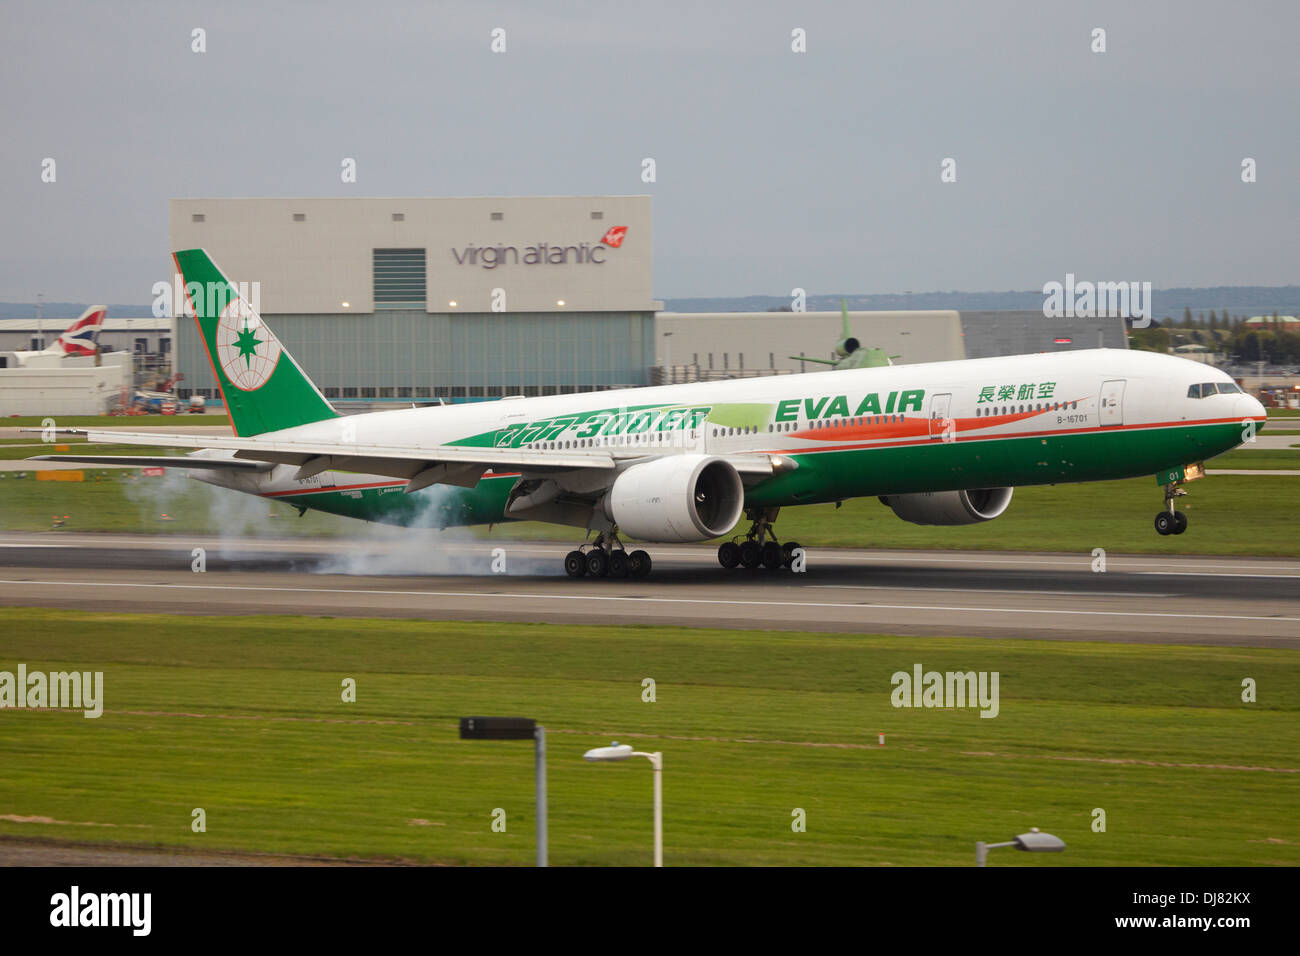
[(849, 352), (942, 443), (79, 338)]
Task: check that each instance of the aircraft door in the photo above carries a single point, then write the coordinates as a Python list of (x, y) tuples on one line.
[(941, 424), (1110, 404), (693, 440)]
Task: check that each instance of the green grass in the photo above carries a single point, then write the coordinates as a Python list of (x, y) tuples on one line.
[(84, 448), (114, 421), (1264, 459), (1229, 515), (279, 763)]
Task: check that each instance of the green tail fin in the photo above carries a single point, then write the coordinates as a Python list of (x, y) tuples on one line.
[(262, 385)]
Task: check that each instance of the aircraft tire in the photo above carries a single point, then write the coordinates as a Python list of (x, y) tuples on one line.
[(575, 564), (639, 564), (597, 563), (619, 566)]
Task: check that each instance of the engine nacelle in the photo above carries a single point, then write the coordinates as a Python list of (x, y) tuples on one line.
[(677, 498), (950, 507)]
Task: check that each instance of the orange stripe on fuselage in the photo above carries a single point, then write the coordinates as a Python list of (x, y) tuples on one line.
[(926, 438)]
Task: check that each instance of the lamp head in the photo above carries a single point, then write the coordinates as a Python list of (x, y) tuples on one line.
[(615, 751)]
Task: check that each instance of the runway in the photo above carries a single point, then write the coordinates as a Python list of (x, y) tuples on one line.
[(1141, 599)]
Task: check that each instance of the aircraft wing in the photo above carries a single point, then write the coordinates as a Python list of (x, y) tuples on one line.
[(440, 464), (162, 461), (423, 466)]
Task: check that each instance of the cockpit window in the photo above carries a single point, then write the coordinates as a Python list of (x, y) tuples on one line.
[(1229, 387), (1193, 391)]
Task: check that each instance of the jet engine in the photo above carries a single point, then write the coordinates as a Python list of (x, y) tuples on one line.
[(677, 498), (950, 507)]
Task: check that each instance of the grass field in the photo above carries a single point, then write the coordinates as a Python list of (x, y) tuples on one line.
[(1265, 459), (243, 718), (1229, 515), (13, 453)]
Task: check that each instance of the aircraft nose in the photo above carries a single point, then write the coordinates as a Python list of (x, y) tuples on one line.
[(1249, 407)]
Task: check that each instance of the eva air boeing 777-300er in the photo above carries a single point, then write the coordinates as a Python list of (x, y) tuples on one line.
[(943, 443)]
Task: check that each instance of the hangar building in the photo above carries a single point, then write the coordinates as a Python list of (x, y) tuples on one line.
[(428, 298)]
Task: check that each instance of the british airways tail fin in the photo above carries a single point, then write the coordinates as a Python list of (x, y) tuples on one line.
[(82, 335)]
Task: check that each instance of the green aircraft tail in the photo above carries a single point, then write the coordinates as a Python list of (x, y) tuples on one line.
[(263, 387)]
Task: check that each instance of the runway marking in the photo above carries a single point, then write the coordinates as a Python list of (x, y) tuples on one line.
[(870, 558), (664, 600), (1210, 574), (908, 587)]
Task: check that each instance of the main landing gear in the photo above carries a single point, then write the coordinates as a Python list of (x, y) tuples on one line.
[(760, 547), (1171, 521), (606, 558)]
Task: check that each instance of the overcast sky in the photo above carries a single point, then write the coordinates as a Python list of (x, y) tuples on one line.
[(775, 169)]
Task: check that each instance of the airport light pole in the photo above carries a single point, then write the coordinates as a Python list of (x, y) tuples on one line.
[(617, 752), (1034, 842), (517, 728)]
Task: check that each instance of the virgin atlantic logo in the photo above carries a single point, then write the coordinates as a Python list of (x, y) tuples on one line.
[(615, 236)]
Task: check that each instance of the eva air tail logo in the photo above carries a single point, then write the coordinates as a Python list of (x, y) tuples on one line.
[(246, 349)]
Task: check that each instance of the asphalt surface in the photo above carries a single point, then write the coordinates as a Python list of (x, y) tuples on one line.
[(1143, 599)]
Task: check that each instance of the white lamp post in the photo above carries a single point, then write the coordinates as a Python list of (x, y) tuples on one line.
[(617, 751), (1034, 841)]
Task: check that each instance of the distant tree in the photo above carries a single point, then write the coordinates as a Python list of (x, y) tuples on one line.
[(1187, 315), (1150, 340)]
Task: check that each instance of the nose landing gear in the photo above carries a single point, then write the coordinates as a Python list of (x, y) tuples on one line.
[(1170, 520), (606, 558), (760, 547)]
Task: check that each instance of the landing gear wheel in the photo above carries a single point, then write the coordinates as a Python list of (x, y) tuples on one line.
[(618, 564), (771, 556), (575, 564), (638, 564), (729, 554), (750, 554), (787, 552), (1180, 522), (597, 563), (1165, 522)]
